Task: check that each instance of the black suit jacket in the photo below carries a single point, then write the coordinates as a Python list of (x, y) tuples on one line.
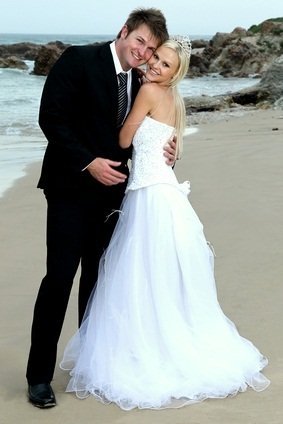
[(78, 115)]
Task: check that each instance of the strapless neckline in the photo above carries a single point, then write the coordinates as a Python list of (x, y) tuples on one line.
[(159, 122)]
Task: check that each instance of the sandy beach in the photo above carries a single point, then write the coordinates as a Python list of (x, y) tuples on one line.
[(236, 174)]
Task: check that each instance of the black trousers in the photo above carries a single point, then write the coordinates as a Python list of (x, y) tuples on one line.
[(77, 233)]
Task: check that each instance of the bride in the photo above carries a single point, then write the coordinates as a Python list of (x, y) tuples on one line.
[(154, 335)]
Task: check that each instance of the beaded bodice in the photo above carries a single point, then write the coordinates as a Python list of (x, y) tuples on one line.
[(148, 161)]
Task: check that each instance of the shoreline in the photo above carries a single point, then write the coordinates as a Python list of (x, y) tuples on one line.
[(18, 152), (195, 122), (236, 174), (19, 169)]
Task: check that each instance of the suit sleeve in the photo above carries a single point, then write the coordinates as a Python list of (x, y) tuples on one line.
[(60, 109)]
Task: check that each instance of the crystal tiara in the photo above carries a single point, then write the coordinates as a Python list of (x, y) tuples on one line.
[(184, 43)]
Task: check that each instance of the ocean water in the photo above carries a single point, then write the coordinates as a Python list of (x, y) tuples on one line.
[(21, 140)]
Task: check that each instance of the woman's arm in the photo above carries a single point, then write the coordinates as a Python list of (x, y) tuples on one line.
[(142, 106)]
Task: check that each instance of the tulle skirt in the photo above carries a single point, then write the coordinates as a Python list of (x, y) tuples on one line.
[(154, 335)]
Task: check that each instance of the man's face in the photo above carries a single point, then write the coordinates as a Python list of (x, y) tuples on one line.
[(135, 48)]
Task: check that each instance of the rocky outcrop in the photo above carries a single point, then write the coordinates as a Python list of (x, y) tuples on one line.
[(24, 51), (240, 59), (273, 79), (47, 56), (13, 62), (43, 55), (240, 53), (14, 55), (257, 51), (207, 103), (269, 91)]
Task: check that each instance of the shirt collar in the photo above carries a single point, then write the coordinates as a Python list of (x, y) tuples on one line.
[(116, 60)]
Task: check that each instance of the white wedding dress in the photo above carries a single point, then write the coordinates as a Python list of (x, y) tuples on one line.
[(154, 335)]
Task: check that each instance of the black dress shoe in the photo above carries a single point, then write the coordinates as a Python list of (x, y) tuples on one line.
[(41, 395)]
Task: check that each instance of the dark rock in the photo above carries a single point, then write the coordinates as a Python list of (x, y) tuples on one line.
[(239, 59), (24, 51), (47, 56), (13, 62), (240, 53), (206, 103), (268, 92), (199, 44)]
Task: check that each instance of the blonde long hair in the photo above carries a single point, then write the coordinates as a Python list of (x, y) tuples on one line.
[(182, 46)]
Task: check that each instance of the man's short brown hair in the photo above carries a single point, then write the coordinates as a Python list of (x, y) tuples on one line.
[(153, 18)]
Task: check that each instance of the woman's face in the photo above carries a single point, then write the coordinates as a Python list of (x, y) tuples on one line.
[(162, 66)]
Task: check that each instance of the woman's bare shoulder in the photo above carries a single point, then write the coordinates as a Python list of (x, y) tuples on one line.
[(151, 88)]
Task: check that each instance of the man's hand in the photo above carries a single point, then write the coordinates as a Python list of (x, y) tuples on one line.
[(103, 171), (170, 151)]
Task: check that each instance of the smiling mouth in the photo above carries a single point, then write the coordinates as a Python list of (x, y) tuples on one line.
[(137, 57), (153, 72)]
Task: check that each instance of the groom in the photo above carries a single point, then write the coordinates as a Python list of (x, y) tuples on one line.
[(84, 175)]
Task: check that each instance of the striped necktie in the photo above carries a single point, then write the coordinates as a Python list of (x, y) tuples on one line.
[(122, 97)]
